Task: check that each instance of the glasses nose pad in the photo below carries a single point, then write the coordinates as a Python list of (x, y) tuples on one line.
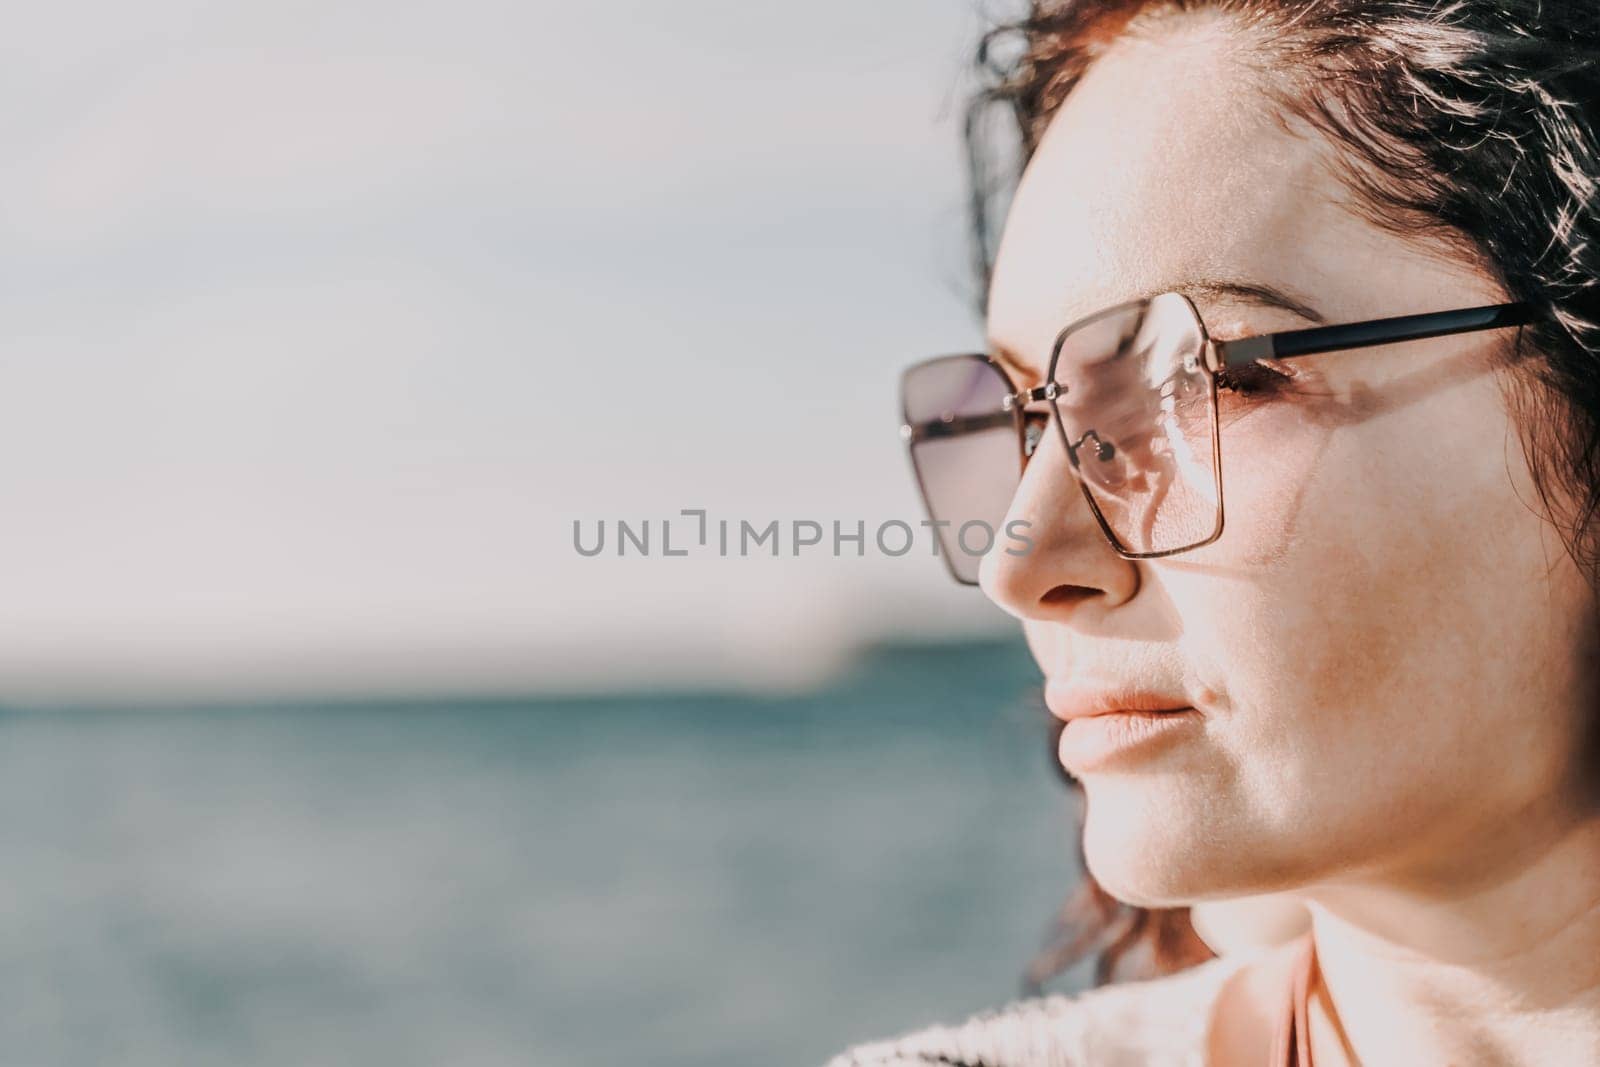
[(1102, 449), (1098, 463)]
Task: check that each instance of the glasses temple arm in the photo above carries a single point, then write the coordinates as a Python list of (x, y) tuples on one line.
[(957, 425), (1373, 332)]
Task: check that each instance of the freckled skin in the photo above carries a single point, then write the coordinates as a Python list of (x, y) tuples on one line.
[(1388, 636)]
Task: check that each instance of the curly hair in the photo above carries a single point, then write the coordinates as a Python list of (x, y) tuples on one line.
[(1469, 126)]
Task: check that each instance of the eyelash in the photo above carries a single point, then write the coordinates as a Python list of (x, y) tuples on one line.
[(1251, 381)]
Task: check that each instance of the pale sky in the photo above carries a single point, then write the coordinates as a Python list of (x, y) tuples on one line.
[(322, 323)]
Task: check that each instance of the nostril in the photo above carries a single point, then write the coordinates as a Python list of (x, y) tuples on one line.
[(1067, 595)]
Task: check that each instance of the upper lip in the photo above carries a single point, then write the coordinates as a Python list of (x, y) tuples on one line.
[(1067, 700)]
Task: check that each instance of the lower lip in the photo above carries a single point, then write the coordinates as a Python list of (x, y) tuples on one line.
[(1097, 741)]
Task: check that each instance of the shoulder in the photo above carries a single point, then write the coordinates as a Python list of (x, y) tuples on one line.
[(1157, 1022)]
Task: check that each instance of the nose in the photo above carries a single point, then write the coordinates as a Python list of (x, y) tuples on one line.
[(1070, 567)]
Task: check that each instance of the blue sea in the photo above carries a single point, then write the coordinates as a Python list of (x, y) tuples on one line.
[(696, 878)]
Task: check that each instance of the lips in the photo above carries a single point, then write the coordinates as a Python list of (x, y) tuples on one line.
[(1111, 728), (1068, 701)]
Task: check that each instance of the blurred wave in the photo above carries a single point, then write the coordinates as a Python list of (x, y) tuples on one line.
[(699, 878)]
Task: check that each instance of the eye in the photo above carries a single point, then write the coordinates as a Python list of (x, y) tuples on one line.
[(1252, 379), (1033, 427)]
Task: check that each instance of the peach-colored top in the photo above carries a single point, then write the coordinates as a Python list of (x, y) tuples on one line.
[(1156, 1022), (1293, 1045)]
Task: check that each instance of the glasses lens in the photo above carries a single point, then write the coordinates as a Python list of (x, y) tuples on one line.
[(1138, 414), (965, 449)]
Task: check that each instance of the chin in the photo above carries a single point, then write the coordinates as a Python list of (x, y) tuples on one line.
[(1150, 855)]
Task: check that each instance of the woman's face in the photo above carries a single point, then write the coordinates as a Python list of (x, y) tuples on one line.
[(1384, 646)]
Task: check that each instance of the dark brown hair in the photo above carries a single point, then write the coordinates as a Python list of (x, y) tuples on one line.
[(1469, 126)]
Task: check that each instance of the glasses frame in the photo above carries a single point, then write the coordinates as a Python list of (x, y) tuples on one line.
[(1214, 358)]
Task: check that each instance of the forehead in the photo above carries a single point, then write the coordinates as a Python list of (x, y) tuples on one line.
[(1167, 162)]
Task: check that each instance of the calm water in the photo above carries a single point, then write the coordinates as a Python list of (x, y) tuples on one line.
[(699, 880)]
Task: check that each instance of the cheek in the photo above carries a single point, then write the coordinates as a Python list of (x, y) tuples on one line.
[(1378, 609), (1323, 565)]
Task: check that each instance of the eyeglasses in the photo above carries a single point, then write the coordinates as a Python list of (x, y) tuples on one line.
[(1134, 392)]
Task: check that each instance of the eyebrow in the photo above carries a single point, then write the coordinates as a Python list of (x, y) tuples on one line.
[(1200, 290), (1242, 292)]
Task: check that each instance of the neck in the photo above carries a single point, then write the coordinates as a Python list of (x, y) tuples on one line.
[(1479, 964)]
